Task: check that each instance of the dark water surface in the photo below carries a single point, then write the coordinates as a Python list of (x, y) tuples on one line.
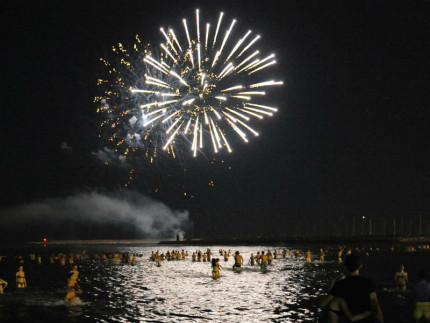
[(184, 291)]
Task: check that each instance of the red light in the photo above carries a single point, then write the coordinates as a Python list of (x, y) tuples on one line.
[(44, 239)]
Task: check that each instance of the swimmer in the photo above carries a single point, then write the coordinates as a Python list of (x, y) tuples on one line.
[(238, 260), (214, 271), (159, 259), (71, 298), (339, 255), (258, 258), (401, 279), (21, 282), (3, 285), (264, 260), (308, 256), (322, 255), (72, 280), (269, 257), (226, 255), (63, 261), (215, 268), (74, 270), (252, 260)]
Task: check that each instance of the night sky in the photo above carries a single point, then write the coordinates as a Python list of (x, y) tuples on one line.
[(350, 138)]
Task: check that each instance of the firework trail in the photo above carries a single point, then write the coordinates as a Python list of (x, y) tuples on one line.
[(201, 85)]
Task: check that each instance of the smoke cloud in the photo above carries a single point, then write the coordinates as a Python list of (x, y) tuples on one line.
[(95, 215), (65, 146), (108, 155)]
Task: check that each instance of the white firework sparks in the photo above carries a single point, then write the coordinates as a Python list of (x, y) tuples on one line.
[(204, 86)]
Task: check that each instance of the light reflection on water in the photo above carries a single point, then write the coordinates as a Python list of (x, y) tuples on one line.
[(184, 291)]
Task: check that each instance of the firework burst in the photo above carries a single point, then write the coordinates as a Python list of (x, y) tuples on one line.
[(201, 85)]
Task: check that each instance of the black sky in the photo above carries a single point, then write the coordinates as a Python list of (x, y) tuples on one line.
[(350, 138)]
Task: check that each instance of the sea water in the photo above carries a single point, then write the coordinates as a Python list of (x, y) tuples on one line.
[(184, 291)]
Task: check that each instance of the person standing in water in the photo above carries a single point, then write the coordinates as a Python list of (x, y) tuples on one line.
[(3, 285), (238, 260), (252, 260), (226, 255), (72, 280), (308, 256), (358, 292), (21, 282), (401, 278), (322, 255), (215, 268), (264, 260)]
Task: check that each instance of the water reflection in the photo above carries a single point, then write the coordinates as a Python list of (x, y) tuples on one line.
[(184, 291)]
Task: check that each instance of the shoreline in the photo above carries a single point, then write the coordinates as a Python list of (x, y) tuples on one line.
[(241, 241), (333, 240), (95, 242)]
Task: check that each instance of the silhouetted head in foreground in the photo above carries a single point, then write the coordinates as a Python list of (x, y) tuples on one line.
[(353, 262)]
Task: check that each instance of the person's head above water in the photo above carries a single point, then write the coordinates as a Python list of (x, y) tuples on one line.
[(352, 262)]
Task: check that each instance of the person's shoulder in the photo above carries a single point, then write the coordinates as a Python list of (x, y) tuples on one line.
[(366, 283), (339, 283), (360, 279), (355, 281)]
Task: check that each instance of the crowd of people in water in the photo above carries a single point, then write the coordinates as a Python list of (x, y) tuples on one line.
[(351, 298)]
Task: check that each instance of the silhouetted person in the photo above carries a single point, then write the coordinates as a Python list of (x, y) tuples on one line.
[(422, 298), (358, 292)]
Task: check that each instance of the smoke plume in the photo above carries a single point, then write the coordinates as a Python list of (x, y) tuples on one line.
[(95, 215)]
